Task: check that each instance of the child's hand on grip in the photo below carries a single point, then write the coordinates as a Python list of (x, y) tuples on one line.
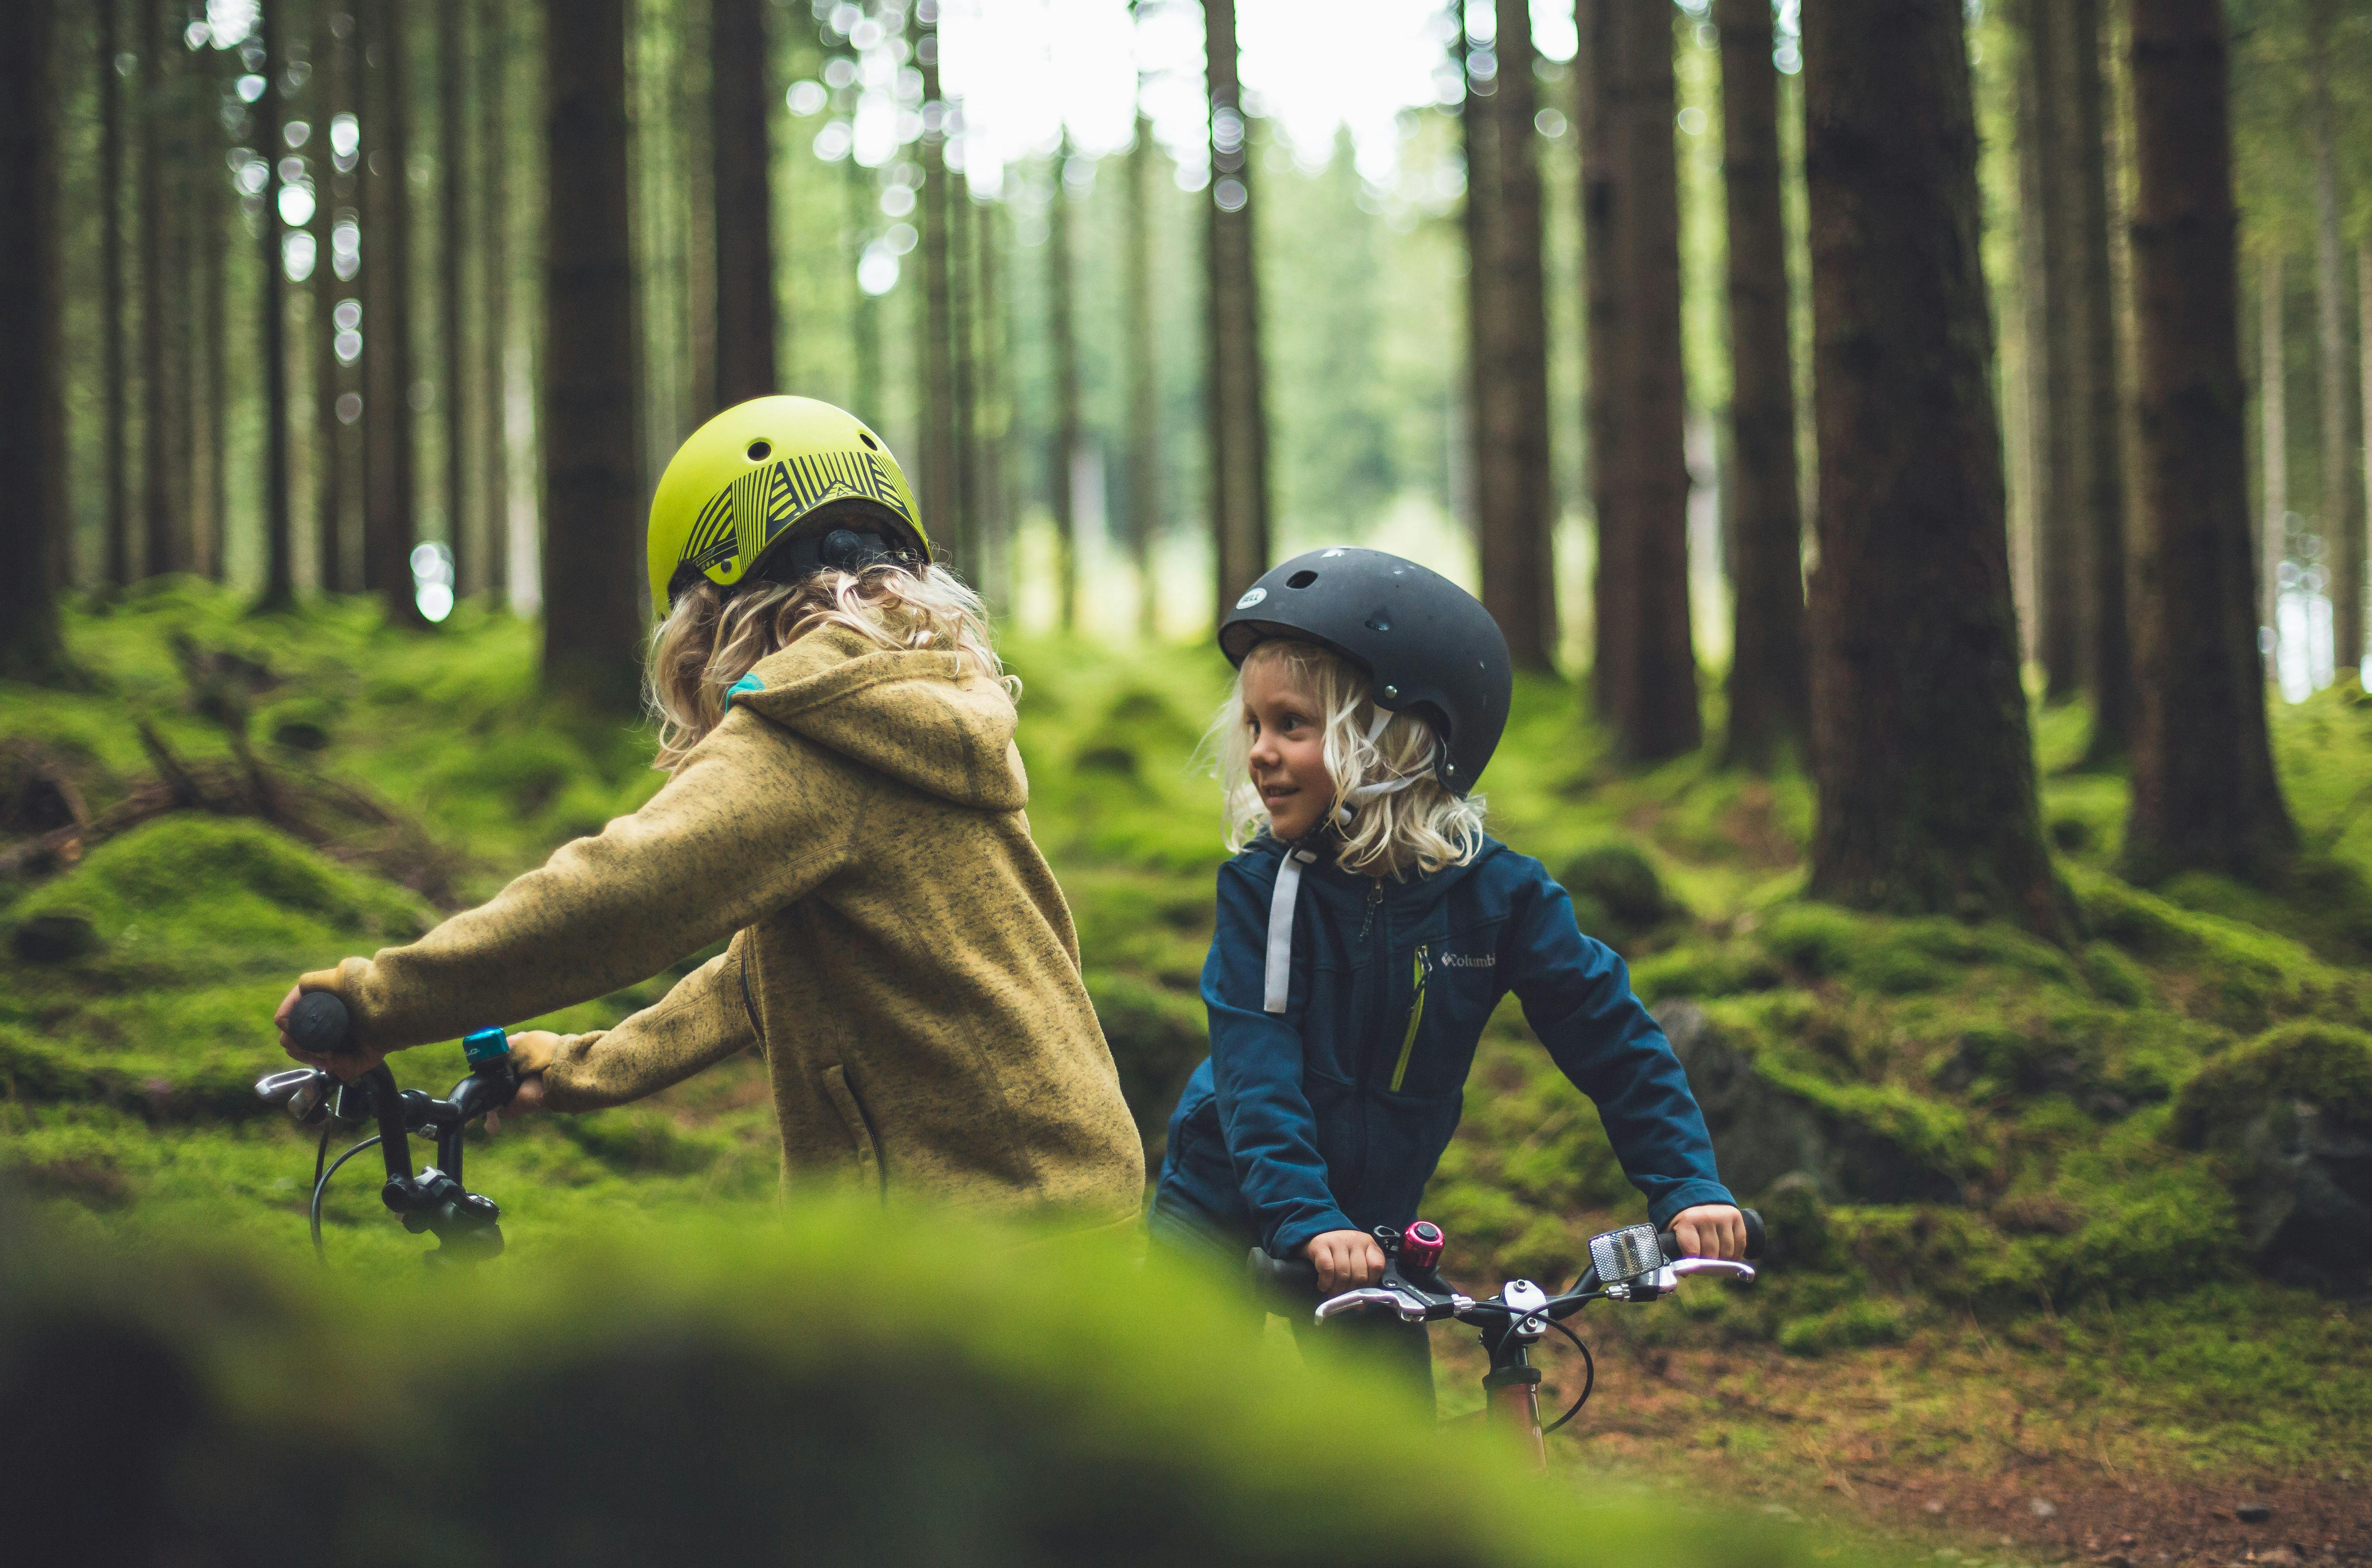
[(1346, 1259), (1711, 1230)]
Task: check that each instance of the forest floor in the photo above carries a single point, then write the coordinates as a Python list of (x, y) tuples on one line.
[(2023, 1320)]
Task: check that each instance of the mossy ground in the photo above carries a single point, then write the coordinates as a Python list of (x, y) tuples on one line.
[(2089, 1262)]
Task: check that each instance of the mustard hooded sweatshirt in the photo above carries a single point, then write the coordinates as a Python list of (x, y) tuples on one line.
[(900, 952)]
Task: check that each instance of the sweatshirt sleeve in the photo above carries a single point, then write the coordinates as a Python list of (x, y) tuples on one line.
[(1577, 994), (756, 819), (702, 1019), (1256, 1067)]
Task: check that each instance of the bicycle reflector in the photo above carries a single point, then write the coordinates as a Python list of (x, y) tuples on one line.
[(1421, 1244), (1626, 1254)]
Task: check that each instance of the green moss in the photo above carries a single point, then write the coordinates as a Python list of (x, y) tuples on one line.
[(2325, 1063), (1849, 1325)]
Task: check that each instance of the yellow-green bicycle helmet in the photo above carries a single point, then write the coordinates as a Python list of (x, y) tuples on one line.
[(742, 483)]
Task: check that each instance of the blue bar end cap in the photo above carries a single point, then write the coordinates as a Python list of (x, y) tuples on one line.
[(485, 1046)]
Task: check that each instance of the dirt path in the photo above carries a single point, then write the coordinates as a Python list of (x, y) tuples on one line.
[(1965, 1468)]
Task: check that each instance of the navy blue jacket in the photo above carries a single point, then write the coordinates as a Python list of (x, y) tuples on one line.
[(1331, 1115)]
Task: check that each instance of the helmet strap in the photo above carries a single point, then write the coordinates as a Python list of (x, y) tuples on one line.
[(1368, 792)]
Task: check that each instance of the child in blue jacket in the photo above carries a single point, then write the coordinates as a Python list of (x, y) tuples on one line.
[(1369, 929)]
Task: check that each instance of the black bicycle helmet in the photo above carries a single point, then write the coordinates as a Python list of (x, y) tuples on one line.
[(1427, 645)]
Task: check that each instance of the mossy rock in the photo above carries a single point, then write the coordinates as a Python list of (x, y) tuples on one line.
[(1863, 1142), (1619, 897), (1851, 1325), (2291, 1114), (1157, 1037)]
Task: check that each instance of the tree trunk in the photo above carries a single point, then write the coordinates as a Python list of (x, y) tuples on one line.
[(995, 530), (494, 260), (1597, 95), (1921, 758), (592, 621), (941, 482), (452, 97), (391, 523), (744, 208), (211, 213), (1062, 453), (2363, 395), (1648, 686), (963, 373), (2273, 442), (1770, 689), (2093, 293), (2204, 794), (115, 452), (160, 500), (1514, 489), (32, 401), (1236, 417), (333, 96), (272, 345), (1143, 384), (866, 309), (2056, 408), (2343, 524)]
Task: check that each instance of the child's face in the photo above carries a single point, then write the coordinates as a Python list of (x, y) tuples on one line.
[(1288, 759)]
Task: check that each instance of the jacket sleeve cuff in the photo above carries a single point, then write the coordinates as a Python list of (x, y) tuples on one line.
[(1687, 1195), (1301, 1232)]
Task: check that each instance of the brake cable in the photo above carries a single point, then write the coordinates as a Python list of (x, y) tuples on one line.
[(321, 1185)]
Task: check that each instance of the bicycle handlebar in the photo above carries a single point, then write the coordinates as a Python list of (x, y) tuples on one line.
[(1299, 1275)]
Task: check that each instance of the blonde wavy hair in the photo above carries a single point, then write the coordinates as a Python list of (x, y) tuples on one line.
[(1418, 825), (713, 636)]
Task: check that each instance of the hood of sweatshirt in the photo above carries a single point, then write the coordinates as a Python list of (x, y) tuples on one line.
[(916, 715)]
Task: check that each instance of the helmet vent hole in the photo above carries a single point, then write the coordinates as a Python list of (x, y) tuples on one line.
[(761, 450), (1380, 621), (1301, 579), (866, 436)]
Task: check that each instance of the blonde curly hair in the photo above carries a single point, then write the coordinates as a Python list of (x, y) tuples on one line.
[(713, 636), (1411, 822)]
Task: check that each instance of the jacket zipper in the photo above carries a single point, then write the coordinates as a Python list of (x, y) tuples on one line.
[(1367, 927), (1416, 1017)]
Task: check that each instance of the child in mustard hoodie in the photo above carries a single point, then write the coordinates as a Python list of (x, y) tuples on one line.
[(846, 804)]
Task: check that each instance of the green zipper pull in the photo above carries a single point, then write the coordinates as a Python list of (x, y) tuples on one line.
[(1416, 1017)]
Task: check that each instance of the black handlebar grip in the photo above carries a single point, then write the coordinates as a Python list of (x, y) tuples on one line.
[(1293, 1274), (318, 1022)]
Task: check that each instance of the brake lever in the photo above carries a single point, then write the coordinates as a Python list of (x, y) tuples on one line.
[(1350, 1300), (1742, 1272), (302, 1092)]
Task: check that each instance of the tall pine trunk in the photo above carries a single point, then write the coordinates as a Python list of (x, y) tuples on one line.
[(1234, 384), (2204, 795), (1922, 758), (32, 400), (272, 344), (1770, 685), (1596, 97), (2057, 409), (2363, 391), (452, 160), (935, 358), (1646, 683), (1143, 383), (1513, 486), (211, 217), (333, 96), (159, 469), (592, 620), (1061, 339), (744, 208), (115, 452), (494, 230), (391, 522), (2342, 522), (2109, 659), (2273, 441), (995, 530), (963, 373)]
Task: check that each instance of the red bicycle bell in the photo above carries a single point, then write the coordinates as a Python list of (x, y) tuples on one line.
[(1421, 1245)]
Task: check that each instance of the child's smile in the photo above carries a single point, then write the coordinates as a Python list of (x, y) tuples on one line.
[(1288, 751)]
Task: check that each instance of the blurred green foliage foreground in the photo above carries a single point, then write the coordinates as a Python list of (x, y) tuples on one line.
[(829, 1390), (2121, 1179)]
